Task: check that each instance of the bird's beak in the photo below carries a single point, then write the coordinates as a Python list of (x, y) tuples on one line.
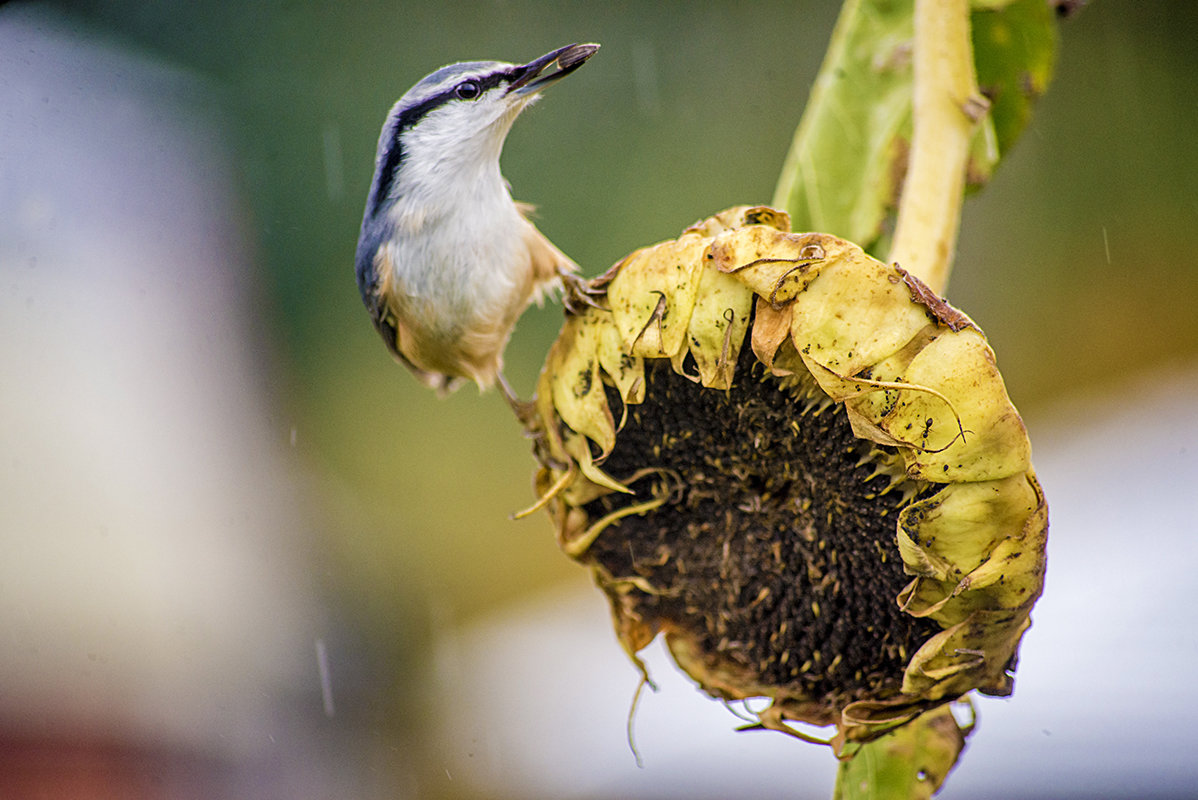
[(532, 77)]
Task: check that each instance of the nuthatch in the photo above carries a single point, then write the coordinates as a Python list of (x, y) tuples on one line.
[(446, 260)]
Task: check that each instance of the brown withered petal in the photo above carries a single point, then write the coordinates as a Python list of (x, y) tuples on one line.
[(801, 466)]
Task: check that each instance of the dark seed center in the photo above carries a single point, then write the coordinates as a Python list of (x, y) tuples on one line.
[(776, 553)]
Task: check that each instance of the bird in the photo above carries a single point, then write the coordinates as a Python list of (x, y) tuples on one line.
[(446, 260)]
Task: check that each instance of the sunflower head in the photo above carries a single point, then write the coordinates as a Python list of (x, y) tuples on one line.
[(801, 467)]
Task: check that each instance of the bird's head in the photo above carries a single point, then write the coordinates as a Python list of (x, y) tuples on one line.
[(457, 118)]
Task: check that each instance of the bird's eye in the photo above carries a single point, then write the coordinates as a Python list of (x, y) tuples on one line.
[(468, 90)]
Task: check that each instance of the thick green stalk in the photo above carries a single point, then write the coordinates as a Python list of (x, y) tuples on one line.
[(947, 108)]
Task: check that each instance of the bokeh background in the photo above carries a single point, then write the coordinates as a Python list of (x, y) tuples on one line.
[(243, 554)]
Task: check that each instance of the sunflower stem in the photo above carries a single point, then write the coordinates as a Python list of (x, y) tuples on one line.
[(947, 108)]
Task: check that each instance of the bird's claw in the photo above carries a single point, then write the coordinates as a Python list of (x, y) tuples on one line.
[(526, 415), (525, 410), (578, 294)]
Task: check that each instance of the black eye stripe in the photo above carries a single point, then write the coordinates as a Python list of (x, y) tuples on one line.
[(411, 116), (488, 82)]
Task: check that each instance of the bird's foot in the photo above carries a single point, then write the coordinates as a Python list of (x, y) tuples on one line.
[(525, 410), (578, 293)]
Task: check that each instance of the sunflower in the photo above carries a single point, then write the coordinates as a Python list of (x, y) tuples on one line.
[(801, 467)]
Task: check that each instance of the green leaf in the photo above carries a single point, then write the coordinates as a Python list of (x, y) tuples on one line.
[(844, 171), (908, 763), (1014, 49)]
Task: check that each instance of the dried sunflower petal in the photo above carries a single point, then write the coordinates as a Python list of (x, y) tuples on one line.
[(653, 302), (841, 517)]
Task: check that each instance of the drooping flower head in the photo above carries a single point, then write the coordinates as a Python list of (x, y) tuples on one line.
[(801, 466)]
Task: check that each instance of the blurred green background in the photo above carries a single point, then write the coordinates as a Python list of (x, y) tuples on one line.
[(686, 110), (1077, 261)]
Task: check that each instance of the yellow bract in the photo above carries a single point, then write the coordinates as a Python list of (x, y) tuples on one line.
[(912, 373)]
